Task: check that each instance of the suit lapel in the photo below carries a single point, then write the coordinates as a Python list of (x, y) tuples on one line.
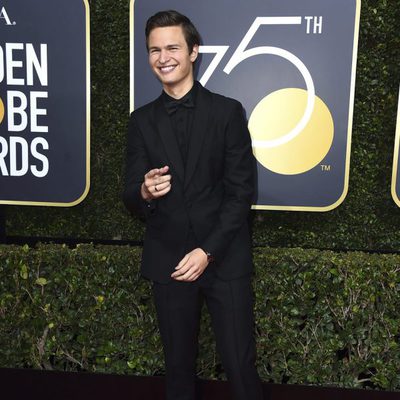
[(168, 138), (199, 128)]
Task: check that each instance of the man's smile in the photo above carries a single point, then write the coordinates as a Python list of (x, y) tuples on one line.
[(167, 68)]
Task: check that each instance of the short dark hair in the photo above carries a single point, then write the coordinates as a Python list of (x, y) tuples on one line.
[(166, 18)]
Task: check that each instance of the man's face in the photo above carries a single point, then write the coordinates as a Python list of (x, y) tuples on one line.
[(169, 57)]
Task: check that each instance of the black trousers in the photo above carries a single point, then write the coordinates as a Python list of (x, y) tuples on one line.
[(230, 304)]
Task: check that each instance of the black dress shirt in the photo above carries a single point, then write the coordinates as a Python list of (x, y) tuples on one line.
[(181, 114)]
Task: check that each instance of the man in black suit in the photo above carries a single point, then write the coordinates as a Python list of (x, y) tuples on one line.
[(190, 173)]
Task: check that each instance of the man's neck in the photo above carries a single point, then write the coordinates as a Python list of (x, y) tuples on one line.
[(177, 92)]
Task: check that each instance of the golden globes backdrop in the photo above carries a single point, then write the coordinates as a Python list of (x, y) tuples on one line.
[(395, 173), (292, 65), (44, 102)]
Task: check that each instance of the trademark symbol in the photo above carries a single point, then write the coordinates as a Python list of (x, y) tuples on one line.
[(325, 168)]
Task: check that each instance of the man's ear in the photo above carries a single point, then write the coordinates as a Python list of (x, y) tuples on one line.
[(194, 53)]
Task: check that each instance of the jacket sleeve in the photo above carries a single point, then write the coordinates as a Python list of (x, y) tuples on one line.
[(238, 184), (137, 165)]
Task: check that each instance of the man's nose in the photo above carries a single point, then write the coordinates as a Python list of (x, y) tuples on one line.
[(164, 56)]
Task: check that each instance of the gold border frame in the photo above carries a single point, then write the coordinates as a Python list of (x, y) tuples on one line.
[(86, 191), (396, 156), (350, 121)]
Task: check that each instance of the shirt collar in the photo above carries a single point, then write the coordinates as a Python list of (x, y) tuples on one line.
[(190, 96)]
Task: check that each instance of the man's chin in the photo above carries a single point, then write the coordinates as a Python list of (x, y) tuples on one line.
[(167, 80)]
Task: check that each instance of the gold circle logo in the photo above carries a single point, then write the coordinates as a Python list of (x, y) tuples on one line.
[(279, 113), (1, 111)]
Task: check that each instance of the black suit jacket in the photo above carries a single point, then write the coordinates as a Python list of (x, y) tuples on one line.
[(211, 195)]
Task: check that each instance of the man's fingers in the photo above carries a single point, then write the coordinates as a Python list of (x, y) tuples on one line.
[(183, 269), (190, 267), (161, 193), (158, 180), (152, 184), (191, 275), (156, 183), (161, 186), (156, 171), (152, 173), (185, 274), (182, 262)]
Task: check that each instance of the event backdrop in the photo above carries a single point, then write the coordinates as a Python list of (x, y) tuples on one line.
[(395, 174), (292, 65), (367, 219), (44, 102)]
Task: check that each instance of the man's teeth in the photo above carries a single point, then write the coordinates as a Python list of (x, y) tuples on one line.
[(168, 68)]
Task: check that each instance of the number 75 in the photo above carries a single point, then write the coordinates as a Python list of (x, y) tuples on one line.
[(242, 53)]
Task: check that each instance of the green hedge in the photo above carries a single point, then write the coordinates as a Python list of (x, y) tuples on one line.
[(322, 317), (368, 219)]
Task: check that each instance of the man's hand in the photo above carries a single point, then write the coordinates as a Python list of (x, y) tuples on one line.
[(156, 184), (191, 266)]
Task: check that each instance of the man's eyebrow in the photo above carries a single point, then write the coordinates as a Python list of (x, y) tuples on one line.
[(168, 46)]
